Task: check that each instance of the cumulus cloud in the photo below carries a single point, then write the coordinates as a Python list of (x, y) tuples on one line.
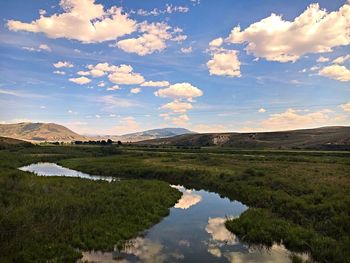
[(115, 87), (125, 125), (341, 59), (336, 72), (322, 59), (135, 90), (80, 80), (81, 20), (217, 42), (179, 90), (224, 63), (295, 119), (155, 84), (313, 31), (261, 110), (124, 75), (187, 200), (153, 38), (177, 106), (63, 64), (216, 228), (345, 107), (180, 120)]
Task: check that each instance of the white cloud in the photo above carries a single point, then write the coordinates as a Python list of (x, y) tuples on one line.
[(345, 107), (322, 59), (101, 84), (169, 9), (179, 38), (217, 42), (216, 228), (115, 87), (80, 80), (180, 90), (42, 47), (187, 200), (82, 20), (180, 120), (98, 116), (177, 106), (83, 73), (186, 50), (155, 84), (59, 72), (124, 75), (210, 128), (63, 64), (135, 90), (261, 110), (341, 60), (153, 39), (45, 47), (224, 63), (313, 31), (296, 119), (126, 125), (336, 72)]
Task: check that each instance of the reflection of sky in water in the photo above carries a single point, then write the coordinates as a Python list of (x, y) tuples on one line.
[(52, 169), (187, 199), (194, 231)]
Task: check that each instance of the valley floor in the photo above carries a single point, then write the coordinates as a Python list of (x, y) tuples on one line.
[(299, 198)]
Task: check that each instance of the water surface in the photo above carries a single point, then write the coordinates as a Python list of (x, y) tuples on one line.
[(52, 169), (194, 231)]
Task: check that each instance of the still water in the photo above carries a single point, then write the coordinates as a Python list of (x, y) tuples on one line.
[(194, 231)]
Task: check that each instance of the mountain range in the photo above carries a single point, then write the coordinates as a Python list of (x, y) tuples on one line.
[(327, 138), (40, 132), (336, 137)]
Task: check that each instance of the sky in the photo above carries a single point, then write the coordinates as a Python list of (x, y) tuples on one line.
[(115, 67)]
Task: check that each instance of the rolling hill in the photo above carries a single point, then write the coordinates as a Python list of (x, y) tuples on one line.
[(327, 138), (146, 135), (39, 132)]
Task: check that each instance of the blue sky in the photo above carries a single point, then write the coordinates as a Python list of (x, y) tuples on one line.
[(113, 67)]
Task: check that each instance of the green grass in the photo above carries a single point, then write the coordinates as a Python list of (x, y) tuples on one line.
[(53, 219), (300, 198), (305, 194)]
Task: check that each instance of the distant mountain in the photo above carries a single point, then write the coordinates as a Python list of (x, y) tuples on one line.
[(147, 135), (39, 132), (337, 138)]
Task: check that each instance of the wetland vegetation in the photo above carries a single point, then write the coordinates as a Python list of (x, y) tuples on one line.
[(299, 198)]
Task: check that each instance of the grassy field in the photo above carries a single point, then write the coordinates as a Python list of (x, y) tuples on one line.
[(52, 219), (300, 198)]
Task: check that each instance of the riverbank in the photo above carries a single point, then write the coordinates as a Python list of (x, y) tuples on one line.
[(54, 219), (306, 194)]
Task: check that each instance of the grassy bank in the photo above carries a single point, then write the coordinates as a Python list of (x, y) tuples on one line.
[(303, 199), (52, 219)]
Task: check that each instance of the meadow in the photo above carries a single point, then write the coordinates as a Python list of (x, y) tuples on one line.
[(300, 198), (53, 219)]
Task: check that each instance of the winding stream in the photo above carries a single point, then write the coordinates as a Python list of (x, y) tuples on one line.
[(194, 231)]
